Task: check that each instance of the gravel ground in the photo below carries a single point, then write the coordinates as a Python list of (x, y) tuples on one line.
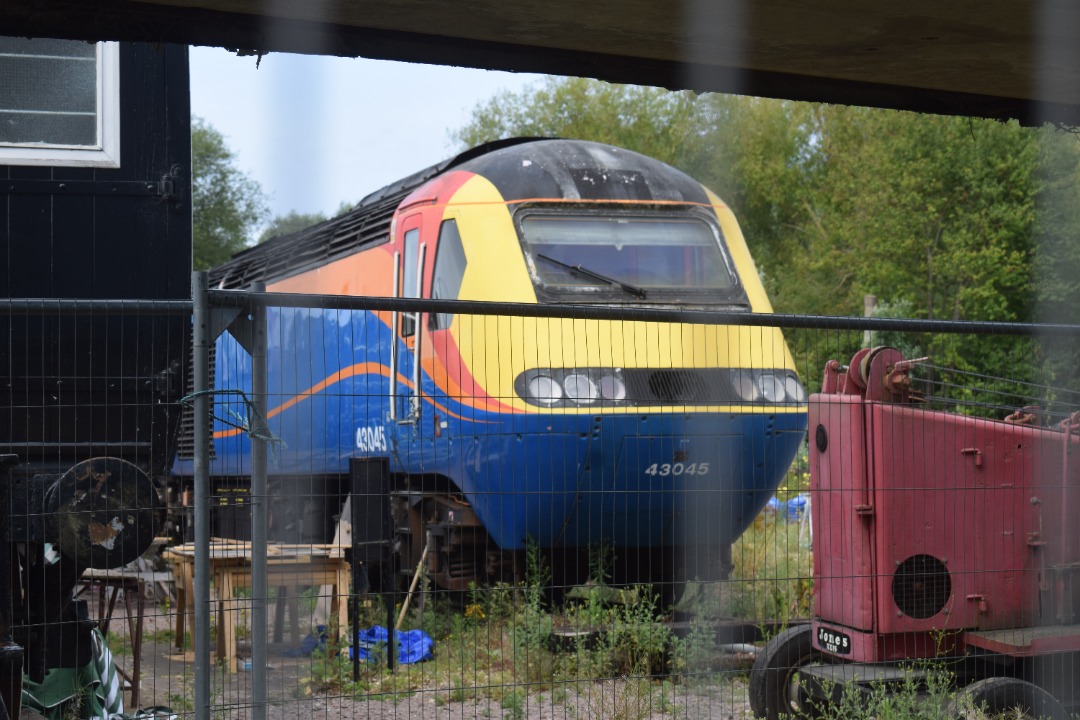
[(612, 700), (168, 680)]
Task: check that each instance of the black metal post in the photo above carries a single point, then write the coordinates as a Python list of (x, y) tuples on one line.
[(373, 534)]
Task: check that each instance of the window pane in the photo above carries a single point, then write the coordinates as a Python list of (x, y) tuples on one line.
[(50, 92), (449, 269), (408, 280), (676, 253)]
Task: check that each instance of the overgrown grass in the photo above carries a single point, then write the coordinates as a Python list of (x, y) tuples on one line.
[(626, 665), (498, 648), (773, 574), (923, 693)]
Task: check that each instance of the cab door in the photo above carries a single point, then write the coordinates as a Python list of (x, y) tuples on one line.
[(406, 404)]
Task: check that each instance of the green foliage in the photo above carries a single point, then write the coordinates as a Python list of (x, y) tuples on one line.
[(629, 698), (939, 217), (640, 641), (649, 120), (922, 693), (773, 575), (514, 704), (118, 646), (697, 655), (290, 223), (182, 700), (601, 556), (227, 205), (331, 670), (620, 634), (495, 603)]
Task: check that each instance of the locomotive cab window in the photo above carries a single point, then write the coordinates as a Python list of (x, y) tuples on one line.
[(449, 271), (628, 256), (409, 279), (63, 103)]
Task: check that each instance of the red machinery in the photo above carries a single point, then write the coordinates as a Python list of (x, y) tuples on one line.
[(936, 535)]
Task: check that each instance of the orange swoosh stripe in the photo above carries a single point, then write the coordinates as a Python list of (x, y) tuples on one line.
[(367, 368)]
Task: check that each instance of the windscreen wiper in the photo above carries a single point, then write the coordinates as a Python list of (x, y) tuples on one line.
[(632, 289)]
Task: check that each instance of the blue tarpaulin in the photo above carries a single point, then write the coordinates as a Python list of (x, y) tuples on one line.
[(314, 640), (796, 507), (413, 645), (792, 509)]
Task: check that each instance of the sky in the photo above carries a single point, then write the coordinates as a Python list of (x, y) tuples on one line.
[(317, 131)]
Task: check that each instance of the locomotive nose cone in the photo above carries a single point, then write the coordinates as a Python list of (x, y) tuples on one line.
[(102, 513)]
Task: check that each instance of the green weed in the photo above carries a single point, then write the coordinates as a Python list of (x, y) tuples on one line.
[(773, 575)]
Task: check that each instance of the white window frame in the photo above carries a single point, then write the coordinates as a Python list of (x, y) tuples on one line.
[(106, 153)]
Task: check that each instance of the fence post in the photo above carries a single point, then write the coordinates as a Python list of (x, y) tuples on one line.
[(201, 402), (259, 499), (869, 308), (372, 538)]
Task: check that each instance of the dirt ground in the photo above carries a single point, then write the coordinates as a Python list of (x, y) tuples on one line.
[(168, 679)]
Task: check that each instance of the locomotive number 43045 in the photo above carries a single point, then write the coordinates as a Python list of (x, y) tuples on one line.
[(666, 469)]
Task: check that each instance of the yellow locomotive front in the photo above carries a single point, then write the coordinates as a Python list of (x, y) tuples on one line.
[(632, 433)]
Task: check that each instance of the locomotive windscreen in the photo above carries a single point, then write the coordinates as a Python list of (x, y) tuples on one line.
[(640, 255)]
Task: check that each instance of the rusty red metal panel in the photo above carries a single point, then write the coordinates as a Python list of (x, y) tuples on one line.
[(1055, 508), (952, 493), (932, 526), (843, 552)]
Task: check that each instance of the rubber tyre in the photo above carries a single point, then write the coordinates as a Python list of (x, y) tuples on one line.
[(776, 668), (1001, 694)]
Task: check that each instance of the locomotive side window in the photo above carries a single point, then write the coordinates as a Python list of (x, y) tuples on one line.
[(63, 107), (635, 255), (408, 279), (449, 271)]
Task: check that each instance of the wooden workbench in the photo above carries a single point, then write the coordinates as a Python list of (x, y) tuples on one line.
[(287, 566)]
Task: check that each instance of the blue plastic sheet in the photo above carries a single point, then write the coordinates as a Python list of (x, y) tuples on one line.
[(796, 507), (316, 639), (792, 509), (413, 645)]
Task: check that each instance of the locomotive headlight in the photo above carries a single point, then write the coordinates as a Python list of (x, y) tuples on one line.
[(745, 386), (544, 390), (795, 389), (772, 388), (580, 388), (612, 388), (767, 386), (572, 387)]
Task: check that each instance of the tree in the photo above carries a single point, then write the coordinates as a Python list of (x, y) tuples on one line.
[(290, 223), (227, 205), (940, 217), (652, 121), (295, 221)]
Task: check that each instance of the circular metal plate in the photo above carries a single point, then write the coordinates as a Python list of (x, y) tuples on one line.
[(101, 513)]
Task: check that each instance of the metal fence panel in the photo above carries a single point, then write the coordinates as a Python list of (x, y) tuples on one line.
[(575, 512)]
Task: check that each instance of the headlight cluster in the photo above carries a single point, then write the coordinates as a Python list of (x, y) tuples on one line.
[(768, 386), (585, 387), (566, 387)]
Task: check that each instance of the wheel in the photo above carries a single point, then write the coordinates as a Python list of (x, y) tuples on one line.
[(775, 689), (1004, 695)]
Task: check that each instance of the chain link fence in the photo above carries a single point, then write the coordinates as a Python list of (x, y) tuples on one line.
[(546, 513)]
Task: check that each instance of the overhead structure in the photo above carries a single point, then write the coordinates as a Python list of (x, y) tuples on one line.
[(999, 59)]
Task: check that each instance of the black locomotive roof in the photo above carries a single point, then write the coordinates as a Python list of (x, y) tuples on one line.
[(521, 169), (581, 170)]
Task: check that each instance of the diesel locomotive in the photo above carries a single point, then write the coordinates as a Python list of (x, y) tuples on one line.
[(659, 441)]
